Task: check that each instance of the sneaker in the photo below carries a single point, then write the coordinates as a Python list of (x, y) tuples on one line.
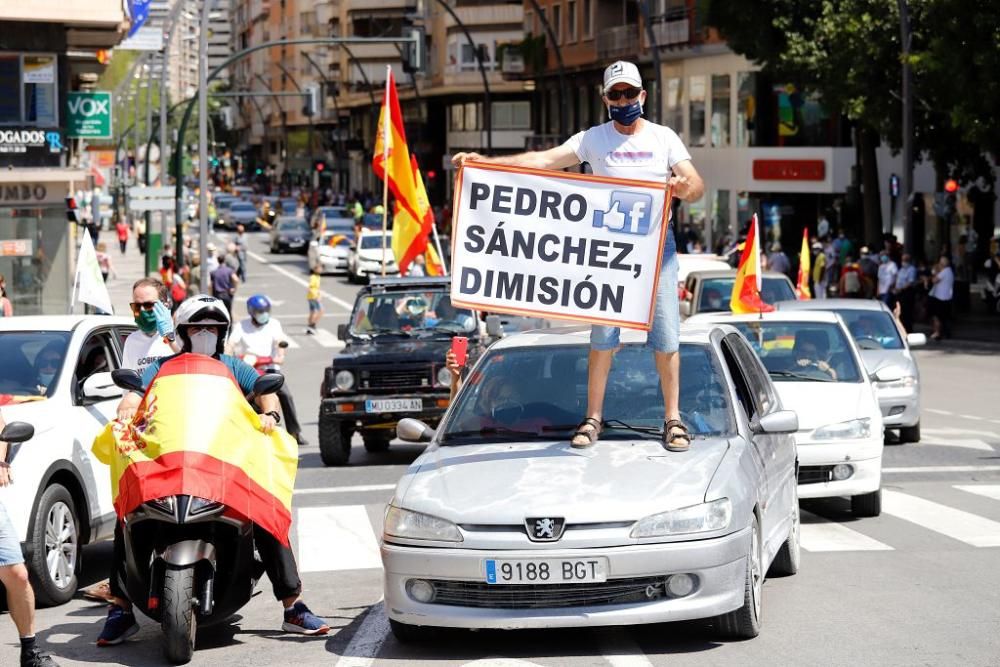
[(300, 619), (311, 331), (120, 626), (35, 658)]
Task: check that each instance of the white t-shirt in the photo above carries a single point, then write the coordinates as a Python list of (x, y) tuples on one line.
[(141, 350), (886, 276), (248, 338), (945, 286), (649, 155)]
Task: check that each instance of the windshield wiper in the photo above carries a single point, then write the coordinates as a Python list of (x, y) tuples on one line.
[(435, 330), (799, 376), (496, 430), (618, 425)]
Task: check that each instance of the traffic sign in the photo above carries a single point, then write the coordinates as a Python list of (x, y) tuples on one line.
[(89, 115), (152, 205), (151, 198)]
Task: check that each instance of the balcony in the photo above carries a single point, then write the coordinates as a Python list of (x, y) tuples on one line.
[(375, 51), (488, 15), (259, 10), (369, 5), (618, 42)]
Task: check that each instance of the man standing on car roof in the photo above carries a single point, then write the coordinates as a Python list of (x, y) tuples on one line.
[(628, 146)]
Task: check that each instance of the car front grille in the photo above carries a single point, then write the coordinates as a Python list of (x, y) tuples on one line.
[(815, 474), (396, 378), (547, 596)]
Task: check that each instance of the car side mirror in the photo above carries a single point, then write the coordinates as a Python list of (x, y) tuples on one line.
[(685, 308), (887, 374), (342, 332), (414, 430), (782, 421), (127, 378), (494, 327), (100, 386), (916, 339), (17, 432)]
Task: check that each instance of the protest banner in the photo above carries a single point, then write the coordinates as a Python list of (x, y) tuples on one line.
[(558, 245)]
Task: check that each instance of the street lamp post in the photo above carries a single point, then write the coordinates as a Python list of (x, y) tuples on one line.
[(312, 159), (340, 139), (906, 189), (202, 143)]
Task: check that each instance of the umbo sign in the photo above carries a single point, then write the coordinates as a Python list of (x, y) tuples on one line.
[(558, 245)]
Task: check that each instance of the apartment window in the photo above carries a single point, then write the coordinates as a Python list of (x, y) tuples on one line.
[(557, 22), (529, 23), (468, 59), (587, 7), (571, 21), (674, 116), (28, 89), (696, 110), (511, 116), (307, 23), (720, 110), (471, 121)]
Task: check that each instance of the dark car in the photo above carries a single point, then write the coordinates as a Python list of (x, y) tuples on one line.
[(241, 213), (393, 363), (290, 234)]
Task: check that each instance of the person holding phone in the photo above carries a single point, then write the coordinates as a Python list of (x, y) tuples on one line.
[(454, 361)]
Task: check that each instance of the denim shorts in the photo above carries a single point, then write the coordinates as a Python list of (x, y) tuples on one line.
[(664, 336), (315, 305), (10, 547)]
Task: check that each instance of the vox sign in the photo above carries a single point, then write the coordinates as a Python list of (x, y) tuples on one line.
[(89, 115)]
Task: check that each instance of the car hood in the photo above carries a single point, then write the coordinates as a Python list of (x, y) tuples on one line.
[(503, 483), (821, 403), (876, 359), (38, 413), (397, 349)]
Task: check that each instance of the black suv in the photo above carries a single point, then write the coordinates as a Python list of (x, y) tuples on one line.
[(393, 364)]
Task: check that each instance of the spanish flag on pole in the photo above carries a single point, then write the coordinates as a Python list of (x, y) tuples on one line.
[(749, 277), (195, 434), (802, 284), (413, 218)]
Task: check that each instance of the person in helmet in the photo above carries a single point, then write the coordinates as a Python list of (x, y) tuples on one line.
[(261, 342), (203, 324)]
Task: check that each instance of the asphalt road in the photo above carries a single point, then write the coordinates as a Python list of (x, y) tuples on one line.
[(915, 586)]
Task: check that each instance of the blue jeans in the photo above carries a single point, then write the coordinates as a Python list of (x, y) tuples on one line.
[(10, 547), (664, 336)]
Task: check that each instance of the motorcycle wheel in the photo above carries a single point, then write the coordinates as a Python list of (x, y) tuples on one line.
[(179, 623)]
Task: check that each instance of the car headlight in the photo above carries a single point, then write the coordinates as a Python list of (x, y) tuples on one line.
[(444, 376), (907, 382), (344, 380), (418, 526), (705, 517), (854, 429)]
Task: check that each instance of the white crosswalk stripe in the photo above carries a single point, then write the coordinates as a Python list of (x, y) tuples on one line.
[(327, 339), (332, 538), (820, 534), (987, 490), (954, 523)]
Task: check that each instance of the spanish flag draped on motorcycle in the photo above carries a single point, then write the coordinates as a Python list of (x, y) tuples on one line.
[(195, 434)]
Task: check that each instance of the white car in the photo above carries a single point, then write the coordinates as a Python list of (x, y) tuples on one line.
[(61, 499), (365, 258), (817, 369), (331, 251)]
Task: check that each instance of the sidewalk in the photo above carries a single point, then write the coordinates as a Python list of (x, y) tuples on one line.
[(128, 268), (976, 327)]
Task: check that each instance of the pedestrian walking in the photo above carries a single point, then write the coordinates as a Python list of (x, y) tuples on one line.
[(140, 234), (905, 291), (224, 283), (104, 261), (941, 293), (6, 307), (241, 251), (778, 260), (628, 146), (887, 272), (14, 576), (312, 297), (121, 227), (819, 274)]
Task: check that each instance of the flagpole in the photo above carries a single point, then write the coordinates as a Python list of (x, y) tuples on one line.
[(385, 162), (437, 245)]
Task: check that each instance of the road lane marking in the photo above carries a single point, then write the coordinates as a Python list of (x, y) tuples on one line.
[(292, 345), (940, 412), (360, 488), (910, 469), (298, 279), (327, 339), (963, 443), (954, 523), (367, 641), (336, 538), (819, 534), (961, 431), (620, 650), (987, 490)]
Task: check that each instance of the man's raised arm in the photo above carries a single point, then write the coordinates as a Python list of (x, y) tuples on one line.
[(559, 157)]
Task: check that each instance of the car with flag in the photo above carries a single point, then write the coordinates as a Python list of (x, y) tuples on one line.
[(364, 259), (56, 375), (817, 370), (711, 291), (330, 250), (500, 523), (392, 365)]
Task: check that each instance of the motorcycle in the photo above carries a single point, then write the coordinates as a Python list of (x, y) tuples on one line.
[(190, 561)]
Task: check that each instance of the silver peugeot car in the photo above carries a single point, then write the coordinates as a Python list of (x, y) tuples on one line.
[(886, 355), (501, 524)]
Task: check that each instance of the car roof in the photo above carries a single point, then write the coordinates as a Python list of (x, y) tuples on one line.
[(775, 316), (59, 322), (698, 334), (833, 304)]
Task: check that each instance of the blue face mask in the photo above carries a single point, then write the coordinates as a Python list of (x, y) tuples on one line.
[(626, 115), (262, 318)]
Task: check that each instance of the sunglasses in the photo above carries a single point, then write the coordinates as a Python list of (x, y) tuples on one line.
[(627, 93), (142, 305)]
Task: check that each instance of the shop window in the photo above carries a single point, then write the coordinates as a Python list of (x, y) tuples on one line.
[(720, 110), (28, 89), (746, 109), (674, 116), (696, 110), (471, 116)]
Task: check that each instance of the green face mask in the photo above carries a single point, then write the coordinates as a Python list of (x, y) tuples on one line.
[(146, 321)]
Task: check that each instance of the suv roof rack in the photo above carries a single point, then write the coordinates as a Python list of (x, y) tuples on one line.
[(388, 284)]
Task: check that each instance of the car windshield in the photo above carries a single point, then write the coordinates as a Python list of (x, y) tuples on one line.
[(541, 392), (410, 313), (872, 329), (293, 225), (337, 238), (31, 364), (802, 351), (373, 241), (715, 292), (289, 205)]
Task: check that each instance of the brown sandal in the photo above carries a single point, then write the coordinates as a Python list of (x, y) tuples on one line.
[(674, 431), (590, 434)]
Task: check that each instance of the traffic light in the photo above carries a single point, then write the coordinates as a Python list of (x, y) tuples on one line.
[(951, 186), (319, 165), (414, 52), (73, 211)]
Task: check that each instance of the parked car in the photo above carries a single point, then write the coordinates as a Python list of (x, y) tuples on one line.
[(501, 524), (330, 251), (241, 213), (56, 376), (393, 362), (818, 372), (710, 291), (365, 258), (884, 348), (290, 234)]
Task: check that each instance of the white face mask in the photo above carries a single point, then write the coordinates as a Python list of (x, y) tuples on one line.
[(204, 342)]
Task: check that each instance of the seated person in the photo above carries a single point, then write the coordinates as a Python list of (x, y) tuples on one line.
[(811, 354), (445, 313), (711, 299), (384, 316), (47, 365), (412, 313)]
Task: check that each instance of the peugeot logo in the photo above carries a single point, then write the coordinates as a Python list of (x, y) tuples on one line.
[(544, 529)]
